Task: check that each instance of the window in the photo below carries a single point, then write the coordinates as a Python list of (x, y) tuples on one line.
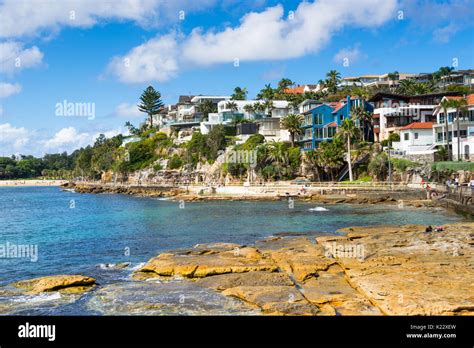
[(331, 132), (416, 136), (318, 118), (441, 118), (406, 136)]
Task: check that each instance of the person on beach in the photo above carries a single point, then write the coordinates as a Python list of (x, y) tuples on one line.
[(448, 185), (456, 184), (471, 184)]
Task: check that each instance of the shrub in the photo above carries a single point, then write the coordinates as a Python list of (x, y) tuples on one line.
[(402, 164), (452, 166), (175, 162)]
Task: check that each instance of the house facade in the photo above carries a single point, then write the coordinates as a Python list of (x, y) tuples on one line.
[(320, 121), (416, 142), (392, 112), (466, 126)]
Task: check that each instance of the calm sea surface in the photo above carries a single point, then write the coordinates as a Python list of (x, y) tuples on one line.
[(76, 233)]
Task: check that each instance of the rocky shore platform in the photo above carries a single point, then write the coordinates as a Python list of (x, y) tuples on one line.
[(409, 197), (377, 270)]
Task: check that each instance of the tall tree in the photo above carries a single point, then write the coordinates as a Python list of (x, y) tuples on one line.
[(150, 103), (267, 93), (239, 94), (460, 106), (445, 105), (284, 84), (332, 80), (348, 131), (207, 106), (292, 123), (364, 118), (232, 106)]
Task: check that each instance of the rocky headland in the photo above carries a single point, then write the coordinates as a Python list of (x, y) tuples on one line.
[(377, 270)]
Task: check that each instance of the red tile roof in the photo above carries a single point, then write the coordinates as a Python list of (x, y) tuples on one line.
[(332, 124), (295, 90), (419, 125), (469, 98), (338, 107)]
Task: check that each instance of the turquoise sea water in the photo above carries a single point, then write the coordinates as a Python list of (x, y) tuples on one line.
[(76, 233)]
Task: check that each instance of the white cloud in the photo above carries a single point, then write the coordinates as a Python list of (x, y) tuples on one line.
[(127, 110), (266, 35), (32, 17), (13, 57), (12, 139), (8, 89), (155, 60), (444, 34), (20, 140), (67, 138), (349, 55)]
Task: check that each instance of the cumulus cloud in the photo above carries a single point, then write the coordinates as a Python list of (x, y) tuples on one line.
[(13, 139), (444, 34), (30, 17), (442, 18), (20, 140), (14, 57), (127, 110), (67, 138), (266, 35), (154, 60), (349, 55), (8, 89)]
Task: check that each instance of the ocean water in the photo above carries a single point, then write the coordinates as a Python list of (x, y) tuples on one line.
[(77, 233)]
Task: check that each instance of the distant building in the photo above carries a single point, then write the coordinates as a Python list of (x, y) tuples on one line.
[(459, 78), (374, 80), (301, 89)]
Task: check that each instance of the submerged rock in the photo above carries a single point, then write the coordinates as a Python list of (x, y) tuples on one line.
[(169, 298), (62, 283)]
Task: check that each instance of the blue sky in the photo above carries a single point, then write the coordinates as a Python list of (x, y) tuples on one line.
[(106, 52)]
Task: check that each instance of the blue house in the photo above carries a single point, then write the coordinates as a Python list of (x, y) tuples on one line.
[(322, 120)]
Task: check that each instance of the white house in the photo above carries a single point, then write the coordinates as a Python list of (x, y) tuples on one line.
[(416, 139), (466, 121), (280, 108)]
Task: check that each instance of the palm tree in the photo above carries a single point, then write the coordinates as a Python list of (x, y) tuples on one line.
[(207, 106), (239, 93), (277, 155), (330, 156), (232, 106), (268, 106), (333, 79), (460, 106), (445, 105), (259, 107), (249, 108), (348, 131), (267, 93), (292, 123), (410, 87), (284, 84), (364, 117)]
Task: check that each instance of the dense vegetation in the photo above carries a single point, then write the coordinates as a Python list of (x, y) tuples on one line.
[(147, 147)]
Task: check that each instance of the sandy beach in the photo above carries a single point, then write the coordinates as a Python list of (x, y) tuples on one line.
[(11, 183)]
